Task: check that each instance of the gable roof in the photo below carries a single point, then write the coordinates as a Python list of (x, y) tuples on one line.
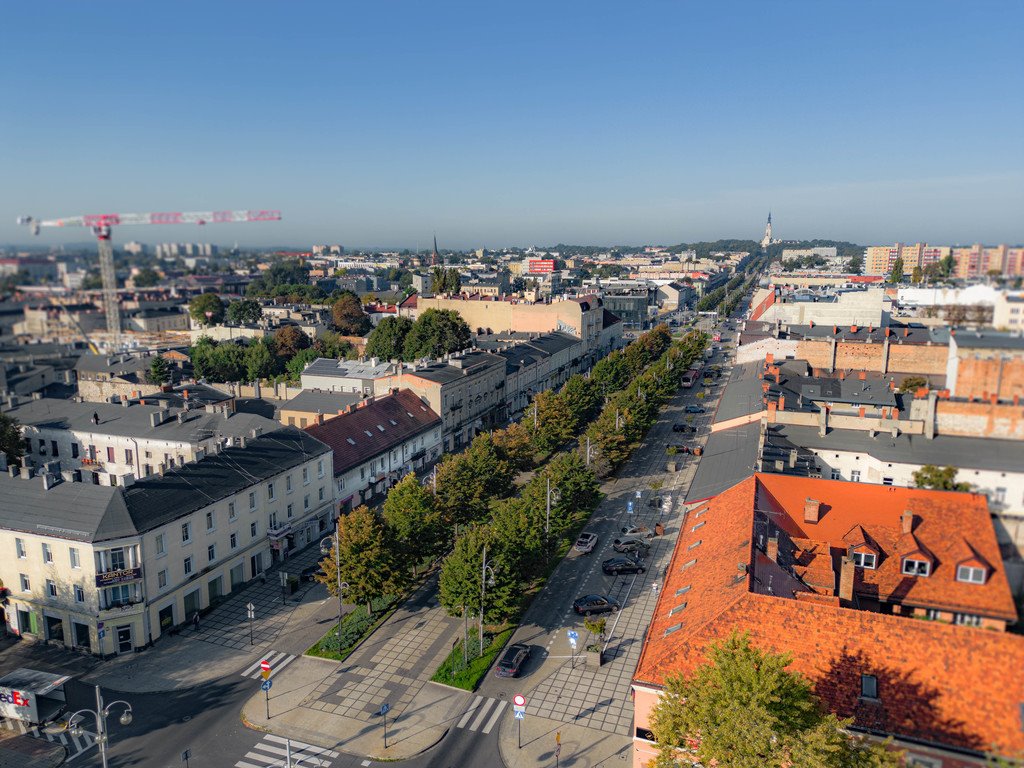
[(935, 680), (373, 428)]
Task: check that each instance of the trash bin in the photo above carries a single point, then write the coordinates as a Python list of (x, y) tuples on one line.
[(659, 529), (698, 451)]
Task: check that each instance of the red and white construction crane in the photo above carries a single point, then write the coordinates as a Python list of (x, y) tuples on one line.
[(101, 225)]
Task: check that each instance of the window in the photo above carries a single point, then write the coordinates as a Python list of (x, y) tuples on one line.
[(916, 567), (967, 620), (886, 481), (120, 595), (933, 613), (305, 501), (42, 447), (76, 561), (320, 468), (161, 548), (868, 687), (291, 511), (51, 588), (923, 762), (110, 455), (252, 500), (188, 565), (970, 574), (209, 522), (231, 510), (836, 475), (47, 554), (79, 594), (117, 559), (128, 458), (270, 491), (211, 553), (19, 546), (53, 448), (147, 470), (288, 484), (321, 493), (74, 450), (234, 541), (362, 473), (253, 529), (161, 579), (26, 586), (272, 521), (305, 475), (864, 559), (1000, 496), (855, 476), (186, 533)]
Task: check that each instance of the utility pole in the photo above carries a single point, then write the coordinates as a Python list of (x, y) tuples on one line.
[(588, 450), (483, 591)]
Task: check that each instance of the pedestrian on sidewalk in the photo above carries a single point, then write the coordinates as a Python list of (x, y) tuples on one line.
[(195, 621)]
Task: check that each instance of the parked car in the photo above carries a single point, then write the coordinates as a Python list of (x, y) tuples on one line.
[(682, 428), (638, 530), (694, 409), (513, 661), (589, 604), (631, 544), (310, 573), (617, 565), (585, 543)]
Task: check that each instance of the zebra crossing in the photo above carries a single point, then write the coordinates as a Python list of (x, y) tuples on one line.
[(482, 715), (272, 752), (278, 661), (75, 745)]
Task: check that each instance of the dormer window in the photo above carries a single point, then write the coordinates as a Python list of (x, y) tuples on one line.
[(913, 567), (970, 574), (865, 560)]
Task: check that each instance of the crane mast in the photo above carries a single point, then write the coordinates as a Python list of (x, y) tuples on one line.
[(102, 224)]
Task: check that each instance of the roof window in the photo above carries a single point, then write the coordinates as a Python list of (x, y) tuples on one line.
[(673, 628), (695, 544), (698, 525), (867, 560), (682, 590), (970, 574), (677, 609), (912, 567), (380, 427), (350, 441), (688, 564), (368, 433), (868, 687), (393, 422)]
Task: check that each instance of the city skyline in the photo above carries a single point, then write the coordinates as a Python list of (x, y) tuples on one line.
[(664, 125)]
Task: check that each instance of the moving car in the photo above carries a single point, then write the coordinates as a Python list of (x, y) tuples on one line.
[(631, 544), (617, 565), (589, 604), (310, 573), (638, 530), (694, 409), (585, 543), (512, 662)]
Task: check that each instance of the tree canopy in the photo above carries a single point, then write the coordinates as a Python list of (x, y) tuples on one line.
[(11, 442), (290, 340), (896, 276), (938, 479), (387, 341), (207, 309), (159, 371), (348, 316), (147, 277), (445, 280), (745, 709), (436, 332), (244, 312)]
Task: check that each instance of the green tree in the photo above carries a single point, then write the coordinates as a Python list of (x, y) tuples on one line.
[(744, 709), (218, 362), (583, 399), (387, 341), (412, 522), (554, 423), (459, 582), (370, 562), (938, 479), (348, 316), (514, 441), (855, 265), (461, 495), (436, 332), (452, 281), (11, 442), (330, 344), (489, 464), (916, 276), (244, 312), (298, 364), (896, 276), (207, 309), (913, 383), (260, 362), (290, 340), (146, 277), (159, 371)]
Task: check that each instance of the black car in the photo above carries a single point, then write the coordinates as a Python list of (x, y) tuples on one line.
[(589, 604), (512, 662), (630, 545), (694, 409), (682, 428), (616, 565), (310, 573)]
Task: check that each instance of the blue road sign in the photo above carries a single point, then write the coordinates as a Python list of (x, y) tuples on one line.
[(265, 685), (573, 634), (384, 709), (520, 714), (101, 634), (629, 507)]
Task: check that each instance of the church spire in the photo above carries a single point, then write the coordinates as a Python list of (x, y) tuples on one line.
[(435, 259), (767, 239)]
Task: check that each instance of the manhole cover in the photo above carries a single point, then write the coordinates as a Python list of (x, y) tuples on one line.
[(186, 718)]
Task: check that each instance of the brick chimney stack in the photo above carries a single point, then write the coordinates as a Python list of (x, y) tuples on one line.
[(846, 574), (812, 510), (907, 521), (772, 549)]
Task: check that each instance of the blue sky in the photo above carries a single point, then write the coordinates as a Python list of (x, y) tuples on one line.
[(376, 124)]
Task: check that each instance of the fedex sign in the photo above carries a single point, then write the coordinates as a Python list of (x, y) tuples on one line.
[(17, 705)]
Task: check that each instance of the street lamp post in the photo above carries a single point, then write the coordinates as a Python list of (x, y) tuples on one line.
[(325, 548), (547, 519), (101, 714), (483, 592)]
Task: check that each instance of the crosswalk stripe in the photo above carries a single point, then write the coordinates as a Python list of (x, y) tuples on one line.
[(494, 718), (253, 756), (300, 745), (278, 660), (469, 712), (483, 713), (250, 669), (296, 754), (282, 665)]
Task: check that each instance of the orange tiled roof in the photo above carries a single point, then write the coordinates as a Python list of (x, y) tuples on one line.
[(955, 686)]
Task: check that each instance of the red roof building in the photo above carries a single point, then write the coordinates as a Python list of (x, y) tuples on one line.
[(899, 593)]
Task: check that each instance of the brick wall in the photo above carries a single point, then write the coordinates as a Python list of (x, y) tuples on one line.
[(980, 378), (816, 353), (859, 357), (917, 358), (999, 420)]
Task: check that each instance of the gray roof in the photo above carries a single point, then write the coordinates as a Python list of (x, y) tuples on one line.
[(942, 450), (466, 365), (988, 340), (743, 394), (353, 369), (76, 511), (157, 500), (113, 364), (319, 401), (134, 421), (729, 456)]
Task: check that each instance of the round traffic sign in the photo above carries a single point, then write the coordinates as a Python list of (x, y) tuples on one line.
[(519, 700), (265, 665)]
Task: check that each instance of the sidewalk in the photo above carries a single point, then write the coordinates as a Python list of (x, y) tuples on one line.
[(19, 751), (335, 705), (581, 746), (222, 642)]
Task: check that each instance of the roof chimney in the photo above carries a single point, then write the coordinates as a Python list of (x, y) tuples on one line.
[(772, 549), (812, 510), (907, 521), (846, 574), (26, 473)]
